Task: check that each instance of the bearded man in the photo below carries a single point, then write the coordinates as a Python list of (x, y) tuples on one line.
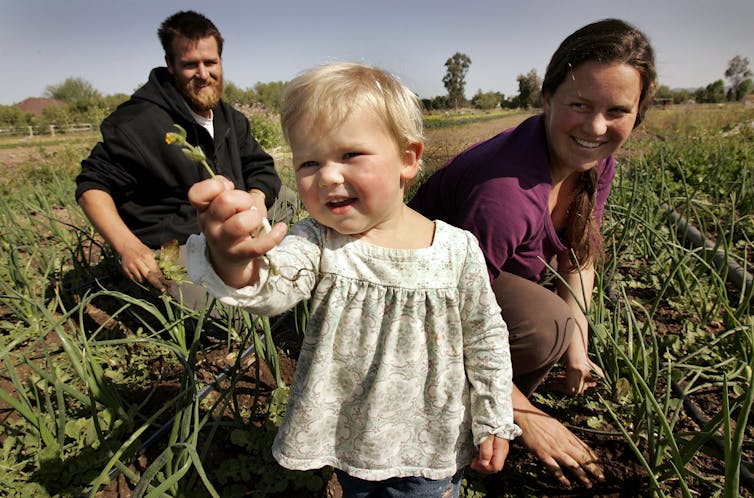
[(133, 186)]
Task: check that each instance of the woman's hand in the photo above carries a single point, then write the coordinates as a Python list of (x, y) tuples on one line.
[(577, 292), (578, 372), (553, 444), (230, 226)]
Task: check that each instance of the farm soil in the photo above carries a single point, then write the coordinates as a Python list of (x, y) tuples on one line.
[(523, 475)]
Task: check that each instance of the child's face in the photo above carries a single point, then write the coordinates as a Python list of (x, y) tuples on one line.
[(351, 177)]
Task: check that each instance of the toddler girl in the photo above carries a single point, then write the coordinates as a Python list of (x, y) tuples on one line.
[(404, 375)]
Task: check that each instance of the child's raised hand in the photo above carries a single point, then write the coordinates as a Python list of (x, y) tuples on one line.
[(492, 454), (231, 227)]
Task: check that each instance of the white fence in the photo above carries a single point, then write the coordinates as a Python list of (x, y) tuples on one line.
[(33, 131)]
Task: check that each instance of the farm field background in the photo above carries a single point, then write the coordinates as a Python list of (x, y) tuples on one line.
[(110, 389)]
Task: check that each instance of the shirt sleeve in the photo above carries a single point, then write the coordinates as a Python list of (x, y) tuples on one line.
[(287, 273), (433, 197), (486, 352), (103, 169)]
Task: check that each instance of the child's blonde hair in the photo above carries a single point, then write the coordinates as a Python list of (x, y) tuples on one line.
[(327, 94)]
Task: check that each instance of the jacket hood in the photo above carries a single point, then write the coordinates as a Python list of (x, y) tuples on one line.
[(160, 90)]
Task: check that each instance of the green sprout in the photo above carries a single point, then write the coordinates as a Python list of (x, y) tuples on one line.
[(193, 152), (196, 153)]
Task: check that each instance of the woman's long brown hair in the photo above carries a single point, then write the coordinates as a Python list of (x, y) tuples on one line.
[(606, 41)]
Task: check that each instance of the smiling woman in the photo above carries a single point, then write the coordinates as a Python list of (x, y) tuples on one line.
[(534, 196), (589, 116)]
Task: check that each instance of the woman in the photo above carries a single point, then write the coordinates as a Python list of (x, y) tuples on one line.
[(533, 196)]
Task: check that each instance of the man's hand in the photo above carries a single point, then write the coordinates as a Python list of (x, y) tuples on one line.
[(139, 264), (137, 260), (492, 454)]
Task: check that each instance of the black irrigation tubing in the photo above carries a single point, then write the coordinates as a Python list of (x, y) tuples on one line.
[(157, 435), (737, 276), (747, 478), (696, 414)]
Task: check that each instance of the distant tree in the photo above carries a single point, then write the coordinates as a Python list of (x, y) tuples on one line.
[(745, 88), (435, 103), (232, 94), (13, 116), (269, 94), (110, 102), (663, 92), (738, 73), (738, 94), (712, 93), (486, 100), (509, 102), (529, 93), (455, 78), (58, 115), (678, 96), (76, 92), (442, 102), (681, 96)]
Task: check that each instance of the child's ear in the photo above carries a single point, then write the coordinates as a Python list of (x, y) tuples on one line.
[(412, 155)]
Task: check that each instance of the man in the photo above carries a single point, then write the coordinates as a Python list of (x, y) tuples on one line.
[(133, 186)]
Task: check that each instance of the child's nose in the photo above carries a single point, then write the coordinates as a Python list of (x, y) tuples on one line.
[(330, 174)]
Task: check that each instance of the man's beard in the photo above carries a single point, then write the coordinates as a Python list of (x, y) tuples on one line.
[(205, 99)]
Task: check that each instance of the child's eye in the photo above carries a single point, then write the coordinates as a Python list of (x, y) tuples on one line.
[(351, 155), (578, 106), (308, 164)]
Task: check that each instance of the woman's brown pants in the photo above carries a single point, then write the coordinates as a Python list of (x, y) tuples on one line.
[(540, 328)]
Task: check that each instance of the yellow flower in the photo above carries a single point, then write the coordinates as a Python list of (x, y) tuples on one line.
[(192, 152)]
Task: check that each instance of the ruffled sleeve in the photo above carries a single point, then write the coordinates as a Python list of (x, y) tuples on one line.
[(486, 352), (287, 273)]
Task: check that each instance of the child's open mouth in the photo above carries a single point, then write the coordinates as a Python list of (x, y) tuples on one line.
[(341, 203), (340, 206)]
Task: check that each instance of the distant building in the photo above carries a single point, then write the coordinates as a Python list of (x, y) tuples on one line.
[(663, 102), (38, 104)]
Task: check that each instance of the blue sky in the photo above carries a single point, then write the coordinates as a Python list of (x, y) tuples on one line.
[(113, 45)]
